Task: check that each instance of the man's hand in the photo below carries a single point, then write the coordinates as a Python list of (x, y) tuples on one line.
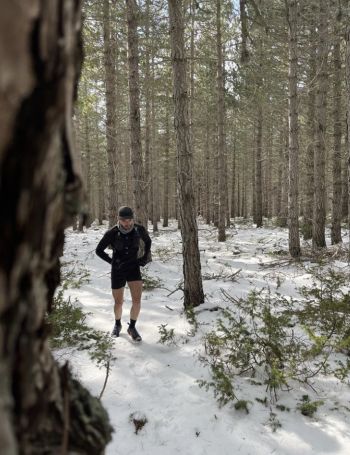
[(142, 262)]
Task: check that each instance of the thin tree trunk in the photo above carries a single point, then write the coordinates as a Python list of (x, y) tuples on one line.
[(283, 217), (110, 93), (268, 172), (88, 180), (244, 31), (258, 167), (138, 181), (155, 164), (207, 203), (221, 129), (147, 81), (319, 219), (293, 211), (337, 134), (193, 289), (309, 189), (280, 175), (166, 168), (233, 181)]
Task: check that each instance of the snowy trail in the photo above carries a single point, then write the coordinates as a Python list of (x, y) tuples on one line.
[(159, 381)]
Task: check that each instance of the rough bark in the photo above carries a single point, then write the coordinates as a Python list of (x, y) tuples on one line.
[(207, 202), (283, 215), (221, 129), (166, 168), (319, 218), (42, 409), (337, 136), (345, 189), (193, 289), (139, 184), (279, 182), (244, 31), (154, 160), (258, 168), (149, 172), (347, 72), (309, 185), (111, 124), (234, 201), (293, 210)]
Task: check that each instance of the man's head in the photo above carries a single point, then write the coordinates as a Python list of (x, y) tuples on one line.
[(126, 217)]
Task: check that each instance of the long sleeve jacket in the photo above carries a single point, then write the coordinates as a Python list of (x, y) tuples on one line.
[(127, 248)]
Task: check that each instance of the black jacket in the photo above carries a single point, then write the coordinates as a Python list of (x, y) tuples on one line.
[(126, 247)]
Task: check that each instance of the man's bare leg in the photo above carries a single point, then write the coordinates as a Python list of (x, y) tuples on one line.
[(136, 293), (118, 295)]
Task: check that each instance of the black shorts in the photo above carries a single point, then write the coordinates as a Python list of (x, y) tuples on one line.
[(120, 277)]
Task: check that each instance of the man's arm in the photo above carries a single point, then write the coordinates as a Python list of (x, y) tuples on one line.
[(148, 242), (102, 245)]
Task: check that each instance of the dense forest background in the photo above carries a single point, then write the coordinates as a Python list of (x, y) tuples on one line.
[(267, 111), (219, 109)]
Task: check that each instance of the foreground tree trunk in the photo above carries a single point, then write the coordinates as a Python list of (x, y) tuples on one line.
[(347, 73), (42, 409), (293, 211), (139, 184), (193, 288)]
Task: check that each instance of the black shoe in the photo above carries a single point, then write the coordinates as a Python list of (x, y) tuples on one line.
[(134, 334), (116, 330)]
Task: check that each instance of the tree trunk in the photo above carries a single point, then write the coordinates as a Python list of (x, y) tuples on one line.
[(347, 73), (222, 190), (283, 216), (110, 94), (193, 289), (345, 176), (155, 162), (258, 170), (337, 134), (319, 219), (244, 31), (309, 189), (147, 82), (43, 410), (139, 184), (88, 179), (293, 211), (207, 200), (234, 201), (279, 175), (268, 172), (166, 167)]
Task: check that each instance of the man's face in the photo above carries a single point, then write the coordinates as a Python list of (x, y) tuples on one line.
[(127, 223)]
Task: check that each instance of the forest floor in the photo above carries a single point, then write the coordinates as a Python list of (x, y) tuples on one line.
[(159, 382)]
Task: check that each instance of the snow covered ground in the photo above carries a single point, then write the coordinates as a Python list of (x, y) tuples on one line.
[(159, 382)]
